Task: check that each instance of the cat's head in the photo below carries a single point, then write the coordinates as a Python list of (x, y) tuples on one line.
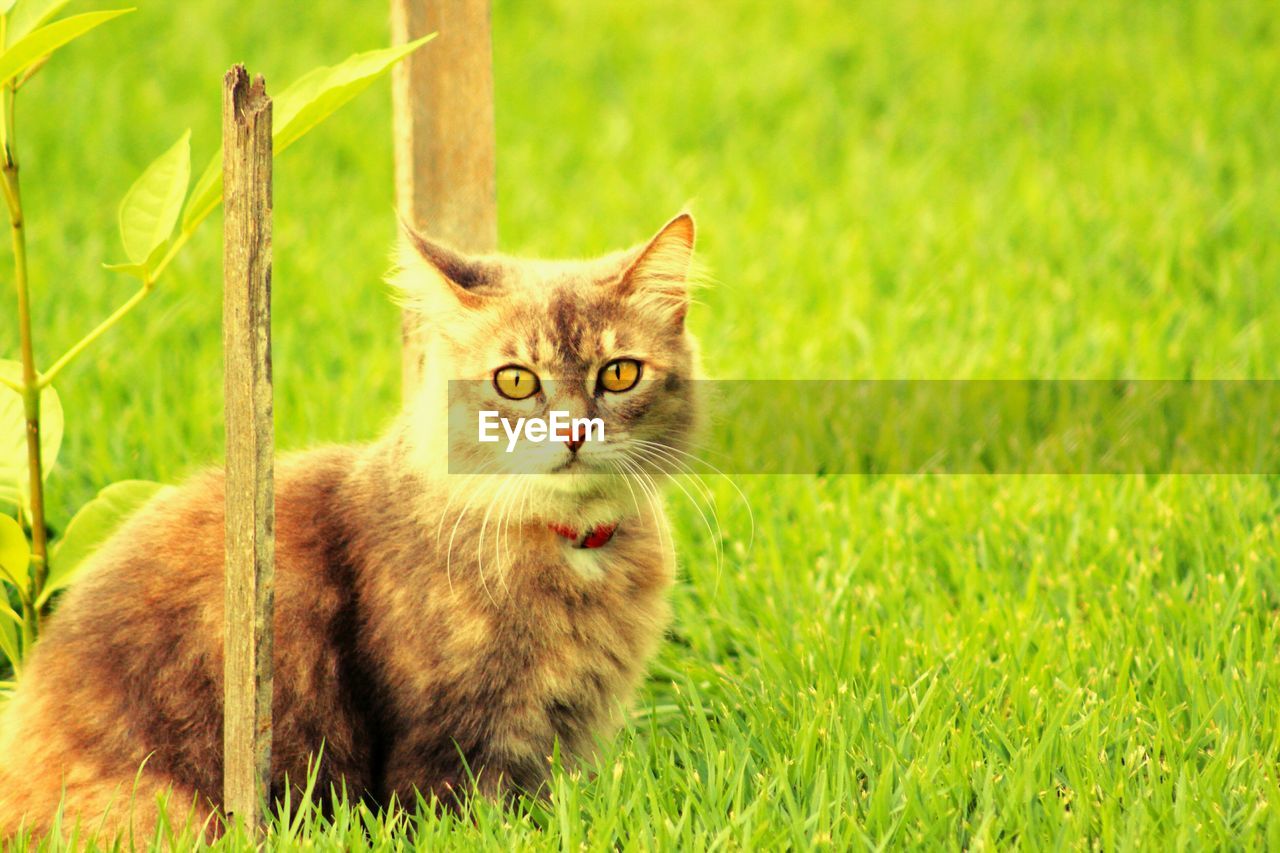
[(602, 339)]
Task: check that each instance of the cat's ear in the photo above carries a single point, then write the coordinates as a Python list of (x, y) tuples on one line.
[(433, 276), (658, 272)]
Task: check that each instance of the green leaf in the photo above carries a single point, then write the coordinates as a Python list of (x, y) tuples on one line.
[(142, 271), (92, 526), (207, 193), (38, 43), (13, 431), (301, 106), (10, 627), (150, 208), (317, 94), (138, 271), (30, 14), (15, 555)]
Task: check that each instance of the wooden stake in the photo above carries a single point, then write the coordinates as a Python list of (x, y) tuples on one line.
[(250, 498), (443, 98)]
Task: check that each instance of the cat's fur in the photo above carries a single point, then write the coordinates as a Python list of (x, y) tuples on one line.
[(417, 633)]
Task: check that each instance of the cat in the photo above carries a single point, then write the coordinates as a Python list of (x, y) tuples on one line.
[(433, 630)]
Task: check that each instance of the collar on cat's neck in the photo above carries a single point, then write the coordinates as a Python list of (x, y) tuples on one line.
[(594, 537)]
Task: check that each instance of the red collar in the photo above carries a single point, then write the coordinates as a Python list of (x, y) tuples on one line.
[(595, 537)]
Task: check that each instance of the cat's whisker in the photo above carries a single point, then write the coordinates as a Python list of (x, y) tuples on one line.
[(716, 533), (630, 473), (462, 513), (524, 501), (453, 493), (500, 500), (502, 535), (687, 444), (626, 478), (654, 448), (670, 452), (484, 525), (657, 502), (742, 496), (470, 479), (654, 499), (680, 468), (504, 521), (448, 565), (500, 527), (445, 511)]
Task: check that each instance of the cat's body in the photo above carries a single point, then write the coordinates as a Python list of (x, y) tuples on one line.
[(427, 625)]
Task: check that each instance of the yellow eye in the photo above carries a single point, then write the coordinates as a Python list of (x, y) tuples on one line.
[(515, 383), (620, 375)]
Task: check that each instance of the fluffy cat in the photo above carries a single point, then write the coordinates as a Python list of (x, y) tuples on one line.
[(426, 622)]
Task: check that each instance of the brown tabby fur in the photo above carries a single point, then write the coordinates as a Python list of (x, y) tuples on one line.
[(410, 643)]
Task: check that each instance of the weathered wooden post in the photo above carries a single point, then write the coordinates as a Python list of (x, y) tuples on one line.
[(250, 495), (444, 134)]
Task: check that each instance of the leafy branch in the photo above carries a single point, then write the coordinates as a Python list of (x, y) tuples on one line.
[(31, 425)]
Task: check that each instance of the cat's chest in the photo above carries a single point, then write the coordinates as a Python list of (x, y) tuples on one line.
[(544, 648), (561, 667), (547, 645), (584, 620)]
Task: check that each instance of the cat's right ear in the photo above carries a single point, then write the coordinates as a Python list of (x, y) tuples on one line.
[(434, 277), (658, 271)]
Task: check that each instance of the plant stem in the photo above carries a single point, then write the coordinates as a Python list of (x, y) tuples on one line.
[(116, 316), (30, 378), (183, 236), (47, 376)]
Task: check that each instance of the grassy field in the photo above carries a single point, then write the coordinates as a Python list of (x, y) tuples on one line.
[(893, 188)]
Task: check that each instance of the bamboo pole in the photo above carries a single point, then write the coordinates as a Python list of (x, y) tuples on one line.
[(444, 134), (250, 499)]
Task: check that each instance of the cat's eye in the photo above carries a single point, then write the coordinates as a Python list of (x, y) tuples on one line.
[(620, 375), (515, 383)]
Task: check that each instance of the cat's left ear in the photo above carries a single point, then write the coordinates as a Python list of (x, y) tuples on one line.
[(436, 279), (658, 274)]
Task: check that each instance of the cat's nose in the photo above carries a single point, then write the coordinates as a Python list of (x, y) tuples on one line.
[(572, 438)]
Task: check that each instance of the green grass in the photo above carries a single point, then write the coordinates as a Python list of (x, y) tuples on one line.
[(900, 188)]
